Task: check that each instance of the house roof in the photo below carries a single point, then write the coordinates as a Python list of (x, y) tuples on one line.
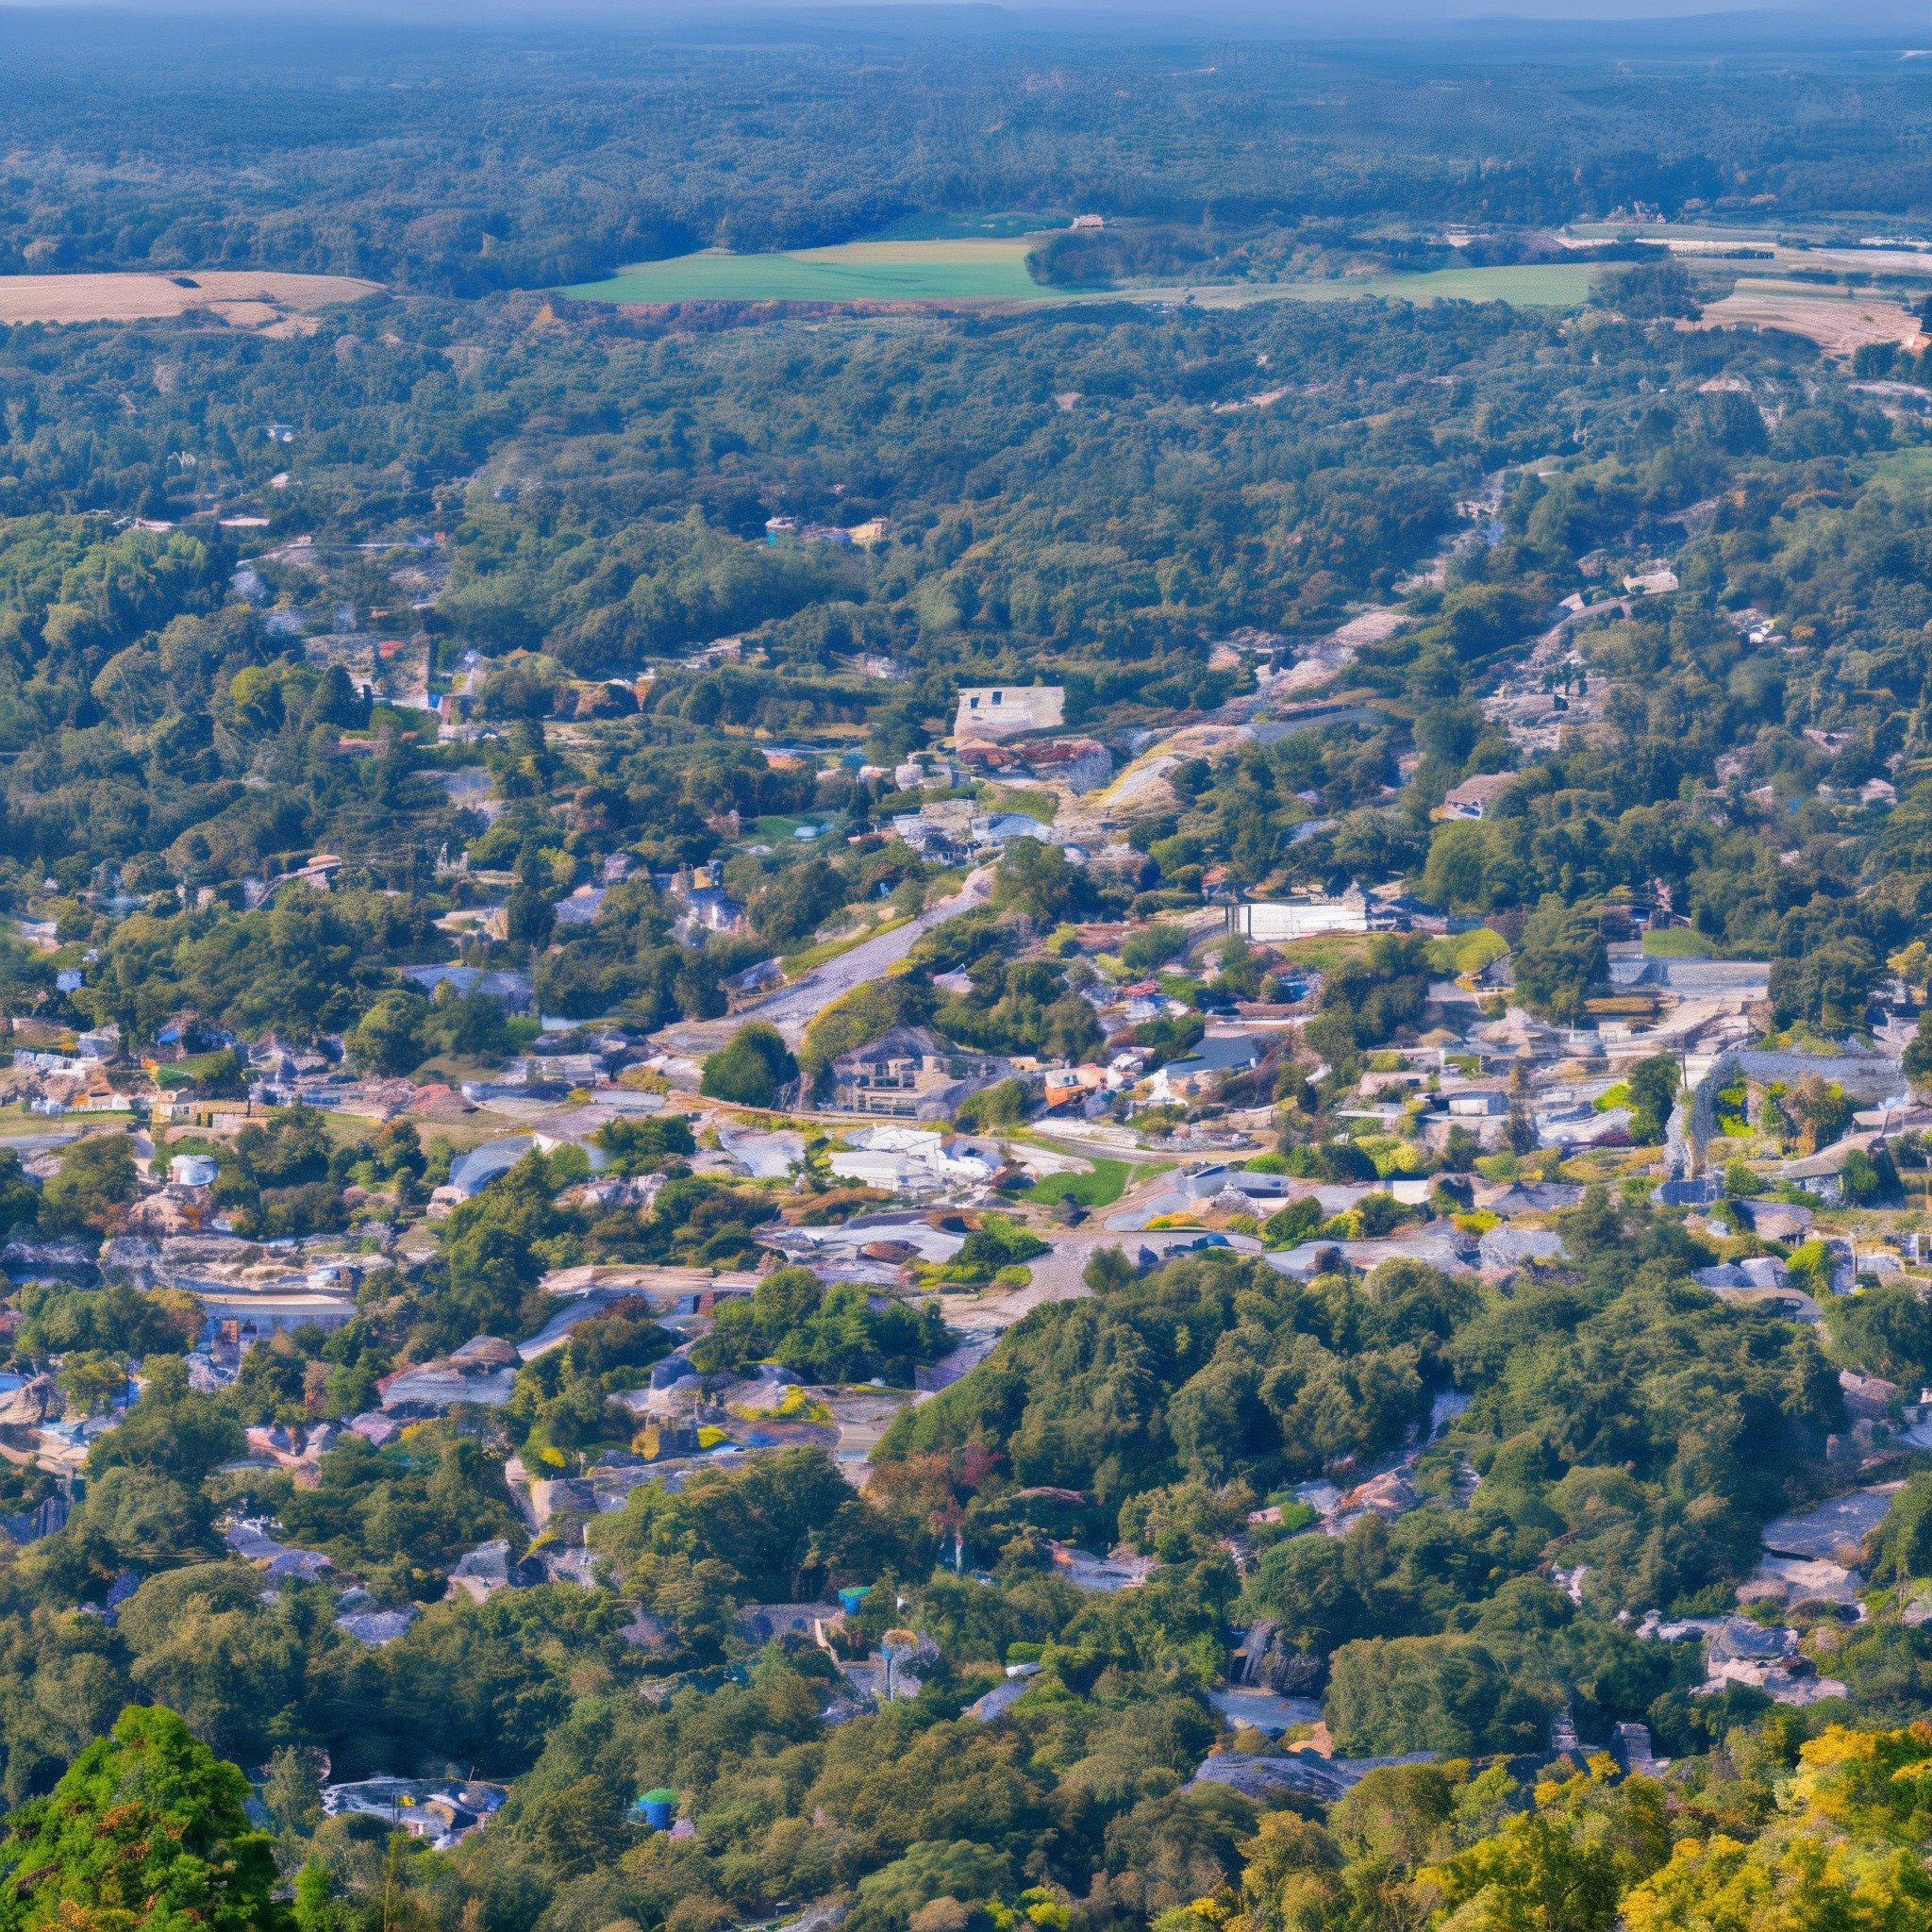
[(1479, 790), (1828, 1160), (1219, 1054)]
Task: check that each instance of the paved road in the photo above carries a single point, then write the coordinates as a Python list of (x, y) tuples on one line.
[(793, 1008)]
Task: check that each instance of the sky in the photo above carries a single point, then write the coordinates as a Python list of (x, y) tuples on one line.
[(1505, 28)]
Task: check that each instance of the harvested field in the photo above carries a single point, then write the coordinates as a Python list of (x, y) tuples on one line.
[(243, 298), (1838, 324)]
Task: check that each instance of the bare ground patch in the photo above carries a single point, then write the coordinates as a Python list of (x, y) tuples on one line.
[(244, 298)]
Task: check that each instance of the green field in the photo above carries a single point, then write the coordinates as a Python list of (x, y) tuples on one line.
[(956, 270), (1551, 285)]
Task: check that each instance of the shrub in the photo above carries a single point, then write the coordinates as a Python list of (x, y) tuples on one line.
[(752, 1070)]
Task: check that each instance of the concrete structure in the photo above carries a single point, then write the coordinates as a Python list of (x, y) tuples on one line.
[(1004, 711), (236, 1315), (907, 1075), (1504, 1248), (511, 989), (474, 1172), (442, 1812), (1274, 922), (903, 1160), (1081, 764)]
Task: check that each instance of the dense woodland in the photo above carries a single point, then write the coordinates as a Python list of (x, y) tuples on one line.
[(544, 158)]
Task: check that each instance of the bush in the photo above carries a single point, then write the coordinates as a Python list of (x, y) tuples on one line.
[(1000, 1106), (753, 1071)]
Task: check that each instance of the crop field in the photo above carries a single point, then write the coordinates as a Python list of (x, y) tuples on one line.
[(1839, 323), (244, 298), (994, 271), (934, 271)]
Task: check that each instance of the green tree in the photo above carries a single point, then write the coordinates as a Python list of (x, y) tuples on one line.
[(97, 1176), (146, 1829), (752, 1070), (1561, 957), (1653, 1085), (390, 1038), (1917, 1058), (20, 1200), (292, 1791)]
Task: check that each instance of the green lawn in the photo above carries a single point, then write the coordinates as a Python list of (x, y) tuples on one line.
[(1101, 1189), (778, 832), (958, 269), (1675, 943)]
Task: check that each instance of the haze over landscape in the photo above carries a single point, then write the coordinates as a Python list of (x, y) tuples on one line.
[(965, 968)]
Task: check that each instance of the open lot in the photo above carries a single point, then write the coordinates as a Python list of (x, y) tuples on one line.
[(246, 298)]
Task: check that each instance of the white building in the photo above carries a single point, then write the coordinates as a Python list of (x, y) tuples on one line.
[(1273, 921)]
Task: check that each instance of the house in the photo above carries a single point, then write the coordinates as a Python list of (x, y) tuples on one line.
[(996, 711), (1823, 1174), (1196, 1073), (908, 1075), (1474, 798), (1073, 1087), (903, 1160), (1478, 1102), (483, 1371), (243, 1316), (1273, 921)]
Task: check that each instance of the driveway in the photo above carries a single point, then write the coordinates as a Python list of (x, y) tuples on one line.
[(793, 1008)]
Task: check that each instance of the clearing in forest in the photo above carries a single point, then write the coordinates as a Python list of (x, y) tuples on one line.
[(244, 298), (949, 270)]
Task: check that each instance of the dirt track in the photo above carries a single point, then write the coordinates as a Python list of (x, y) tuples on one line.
[(246, 298)]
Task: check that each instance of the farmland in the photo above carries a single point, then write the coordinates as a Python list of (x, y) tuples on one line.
[(1836, 323), (245, 298), (945, 270)]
